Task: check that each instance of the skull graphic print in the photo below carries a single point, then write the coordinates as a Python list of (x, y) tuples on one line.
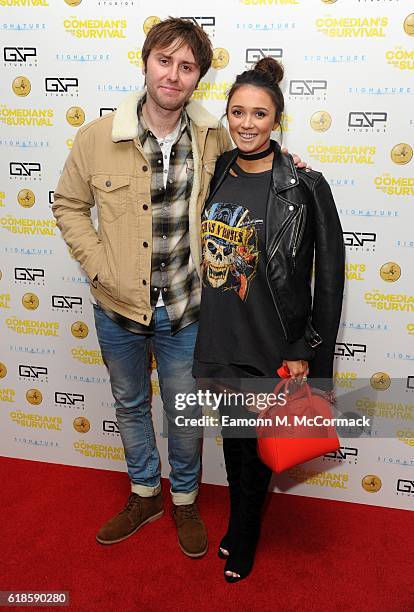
[(229, 247)]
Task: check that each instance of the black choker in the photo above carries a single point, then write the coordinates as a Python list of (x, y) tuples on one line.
[(257, 155)]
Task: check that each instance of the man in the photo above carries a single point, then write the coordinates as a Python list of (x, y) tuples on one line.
[(148, 167)]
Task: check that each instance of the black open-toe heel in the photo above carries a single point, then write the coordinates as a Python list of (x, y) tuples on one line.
[(226, 544), (231, 536), (232, 456), (241, 560)]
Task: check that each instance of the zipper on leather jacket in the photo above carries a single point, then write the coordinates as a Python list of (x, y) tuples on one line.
[(297, 234), (275, 248), (268, 282), (276, 308), (282, 233)]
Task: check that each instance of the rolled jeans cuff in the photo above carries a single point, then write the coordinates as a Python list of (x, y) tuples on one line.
[(145, 491), (183, 499)]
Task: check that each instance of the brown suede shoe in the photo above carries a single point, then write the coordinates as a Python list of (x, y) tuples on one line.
[(138, 512), (192, 533)]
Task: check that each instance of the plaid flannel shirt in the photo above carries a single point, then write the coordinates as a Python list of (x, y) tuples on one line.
[(171, 272)]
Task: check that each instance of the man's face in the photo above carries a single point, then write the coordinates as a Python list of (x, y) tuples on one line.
[(171, 76)]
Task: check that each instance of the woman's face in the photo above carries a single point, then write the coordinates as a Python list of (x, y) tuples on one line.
[(251, 117)]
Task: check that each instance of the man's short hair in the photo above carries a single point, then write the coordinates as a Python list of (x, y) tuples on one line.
[(183, 32)]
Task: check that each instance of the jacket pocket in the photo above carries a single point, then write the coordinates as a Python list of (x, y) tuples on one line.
[(108, 276), (111, 195)]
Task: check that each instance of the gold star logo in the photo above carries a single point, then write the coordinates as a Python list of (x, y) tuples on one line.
[(380, 381), (3, 370), (21, 86), (79, 329), (371, 483), (321, 121), (34, 397), (81, 424), (402, 154), (409, 25), (390, 272), (220, 59), (26, 198), (75, 116), (149, 23), (30, 301)]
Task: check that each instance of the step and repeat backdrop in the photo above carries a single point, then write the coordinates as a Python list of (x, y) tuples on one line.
[(349, 113)]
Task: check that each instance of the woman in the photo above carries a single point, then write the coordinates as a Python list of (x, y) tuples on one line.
[(264, 225)]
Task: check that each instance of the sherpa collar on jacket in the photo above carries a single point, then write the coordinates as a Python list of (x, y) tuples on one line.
[(125, 123)]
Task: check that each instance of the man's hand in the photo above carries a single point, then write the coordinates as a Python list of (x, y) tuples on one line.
[(296, 160)]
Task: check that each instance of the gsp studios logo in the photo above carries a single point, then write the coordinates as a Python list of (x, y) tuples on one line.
[(17, 56), (350, 351), (364, 122), (204, 22), (104, 110), (308, 89), (67, 303), (344, 453), (25, 171), (70, 400), (405, 487), (32, 372), (110, 428), (360, 241), (29, 276), (254, 54), (61, 86)]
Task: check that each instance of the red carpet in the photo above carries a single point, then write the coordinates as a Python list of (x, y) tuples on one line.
[(314, 555)]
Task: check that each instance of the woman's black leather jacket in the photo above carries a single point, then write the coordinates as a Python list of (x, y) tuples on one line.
[(302, 228)]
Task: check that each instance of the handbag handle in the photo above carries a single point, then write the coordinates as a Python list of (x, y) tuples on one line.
[(284, 384)]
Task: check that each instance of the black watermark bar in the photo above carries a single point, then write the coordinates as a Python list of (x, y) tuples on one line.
[(376, 407), (34, 598)]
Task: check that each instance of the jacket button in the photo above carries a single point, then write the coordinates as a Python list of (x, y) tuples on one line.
[(292, 181), (291, 207), (144, 282), (145, 317), (108, 183), (145, 168), (145, 244), (145, 207)]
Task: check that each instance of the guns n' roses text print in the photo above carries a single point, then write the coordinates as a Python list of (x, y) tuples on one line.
[(229, 247)]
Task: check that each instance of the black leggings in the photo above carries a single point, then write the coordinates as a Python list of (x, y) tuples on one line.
[(248, 480), (247, 476)]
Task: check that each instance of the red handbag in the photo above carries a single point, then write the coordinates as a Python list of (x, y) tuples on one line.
[(286, 442)]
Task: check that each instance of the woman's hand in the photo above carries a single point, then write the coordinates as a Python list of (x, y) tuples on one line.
[(299, 370)]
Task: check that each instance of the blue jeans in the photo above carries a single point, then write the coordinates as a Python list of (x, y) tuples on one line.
[(126, 356)]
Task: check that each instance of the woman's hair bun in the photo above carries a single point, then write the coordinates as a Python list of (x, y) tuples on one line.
[(271, 67)]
